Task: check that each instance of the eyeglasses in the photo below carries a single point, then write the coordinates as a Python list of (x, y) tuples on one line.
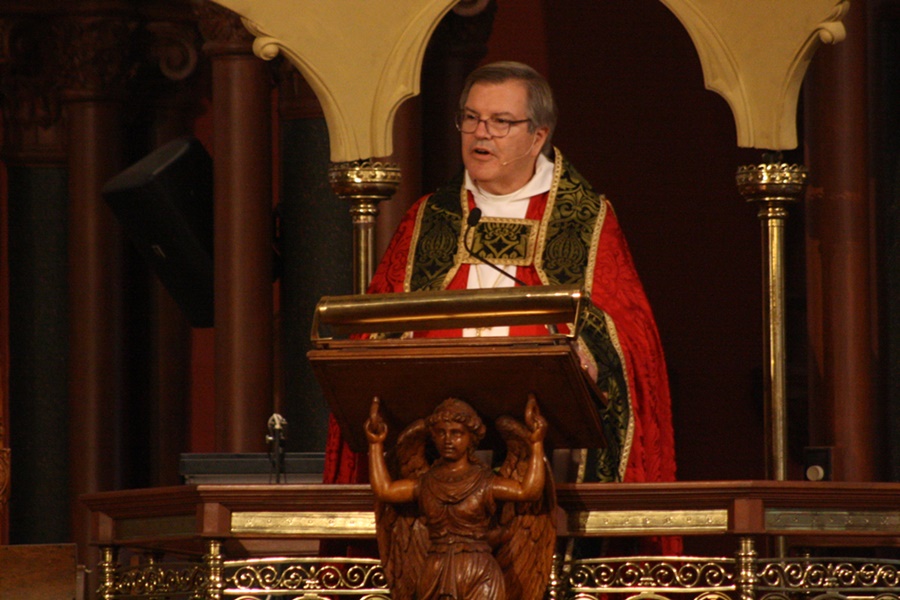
[(496, 126)]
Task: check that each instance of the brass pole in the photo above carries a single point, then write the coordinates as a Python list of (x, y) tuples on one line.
[(108, 567), (745, 561), (364, 184), (214, 561), (773, 187)]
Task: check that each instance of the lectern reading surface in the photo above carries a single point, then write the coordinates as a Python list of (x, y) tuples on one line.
[(495, 375)]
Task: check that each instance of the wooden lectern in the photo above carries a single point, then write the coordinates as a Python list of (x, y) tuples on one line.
[(361, 352)]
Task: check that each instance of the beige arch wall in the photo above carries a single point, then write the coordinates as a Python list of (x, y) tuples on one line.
[(363, 59)]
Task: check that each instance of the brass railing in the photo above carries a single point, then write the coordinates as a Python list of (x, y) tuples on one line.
[(258, 542), (743, 577)]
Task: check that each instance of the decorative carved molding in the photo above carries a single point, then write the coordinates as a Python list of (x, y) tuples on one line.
[(361, 68), (97, 54), (171, 82), (755, 54), (175, 47), (222, 29), (30, 93), (81, 56)]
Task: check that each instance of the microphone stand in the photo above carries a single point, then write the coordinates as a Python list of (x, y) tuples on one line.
[(276, 438)]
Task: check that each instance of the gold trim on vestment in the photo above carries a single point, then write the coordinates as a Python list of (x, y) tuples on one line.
[(545, 219), (486, 225), (411, 252), (629, 431)]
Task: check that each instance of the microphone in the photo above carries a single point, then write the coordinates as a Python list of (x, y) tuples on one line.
[(276, 437), (520, 157), (471, 222)]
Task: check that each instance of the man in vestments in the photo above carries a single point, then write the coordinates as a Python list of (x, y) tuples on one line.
[(543, 224)]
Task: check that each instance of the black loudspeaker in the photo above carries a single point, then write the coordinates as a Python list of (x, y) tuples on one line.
[(165, 205)]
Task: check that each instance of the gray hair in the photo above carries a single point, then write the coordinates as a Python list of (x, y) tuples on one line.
[(541, 106)]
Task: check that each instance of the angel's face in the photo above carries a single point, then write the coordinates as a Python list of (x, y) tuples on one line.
[(452, 440)]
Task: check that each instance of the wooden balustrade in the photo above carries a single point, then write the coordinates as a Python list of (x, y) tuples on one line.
[(259, 539)]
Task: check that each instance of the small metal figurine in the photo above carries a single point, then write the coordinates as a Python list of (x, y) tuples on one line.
[(455, 529)]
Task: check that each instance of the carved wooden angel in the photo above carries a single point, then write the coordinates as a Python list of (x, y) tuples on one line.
[(454, 528)]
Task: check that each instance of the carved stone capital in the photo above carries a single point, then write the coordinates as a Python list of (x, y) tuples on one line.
[(368, 179), (175, 47), (771, 182), (222, 29), (172, 72), (31, 93), (97, 53)]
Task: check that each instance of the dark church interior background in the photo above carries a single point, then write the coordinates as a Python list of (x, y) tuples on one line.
[(635, 117)]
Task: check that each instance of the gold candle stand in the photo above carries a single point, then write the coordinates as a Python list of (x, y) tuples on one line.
[(773, 186), (364, 184)]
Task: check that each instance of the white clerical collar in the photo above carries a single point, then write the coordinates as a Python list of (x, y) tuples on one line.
[(515, 204)]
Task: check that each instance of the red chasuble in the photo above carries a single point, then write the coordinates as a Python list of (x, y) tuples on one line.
[(569, 235)]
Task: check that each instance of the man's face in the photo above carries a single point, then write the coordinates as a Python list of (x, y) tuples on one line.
[(501, 165), (451, 439)]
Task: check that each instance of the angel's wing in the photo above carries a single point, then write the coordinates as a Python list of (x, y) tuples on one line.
[(528, 531), (402, 537)]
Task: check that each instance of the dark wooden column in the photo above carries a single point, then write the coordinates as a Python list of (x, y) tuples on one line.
[(34, 422), (95, 50), (175, 93), (840, 292), (242, 152)]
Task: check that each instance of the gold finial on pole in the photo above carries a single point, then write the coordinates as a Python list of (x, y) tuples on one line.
[(364, 183), (773, 186)]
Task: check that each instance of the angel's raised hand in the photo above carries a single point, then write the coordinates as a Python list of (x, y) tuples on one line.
[(376, 428), (535, 421)]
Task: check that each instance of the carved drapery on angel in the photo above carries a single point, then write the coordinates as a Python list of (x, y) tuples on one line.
[(452, 527)]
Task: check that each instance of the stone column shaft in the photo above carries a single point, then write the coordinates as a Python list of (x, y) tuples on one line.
[(242, 155), (838, 245), (96, 245), (243, 251)]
